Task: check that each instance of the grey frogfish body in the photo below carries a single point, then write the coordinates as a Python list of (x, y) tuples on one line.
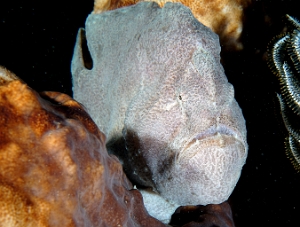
[(157, 90)]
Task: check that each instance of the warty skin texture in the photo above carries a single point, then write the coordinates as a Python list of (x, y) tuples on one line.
[(225, 17), (166, 106)]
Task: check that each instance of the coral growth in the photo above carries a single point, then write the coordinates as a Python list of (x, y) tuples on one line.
[(54, 168)]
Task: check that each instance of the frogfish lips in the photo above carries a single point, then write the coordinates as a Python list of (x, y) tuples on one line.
[(217, 136)]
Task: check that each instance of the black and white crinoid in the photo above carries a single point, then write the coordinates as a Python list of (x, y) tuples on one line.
[(284, 61)]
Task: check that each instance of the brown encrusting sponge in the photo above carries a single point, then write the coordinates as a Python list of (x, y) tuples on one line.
[(54, 168)]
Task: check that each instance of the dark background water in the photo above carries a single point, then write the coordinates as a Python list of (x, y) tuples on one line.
[(36, 43)]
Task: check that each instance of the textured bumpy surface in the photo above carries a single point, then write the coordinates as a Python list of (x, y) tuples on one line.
[(54, 167), (157, 88), (224, 17)]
